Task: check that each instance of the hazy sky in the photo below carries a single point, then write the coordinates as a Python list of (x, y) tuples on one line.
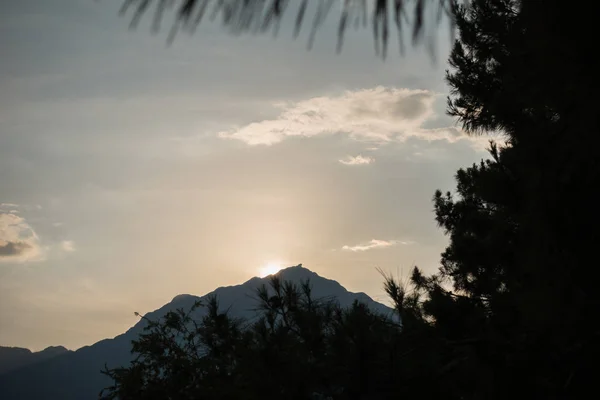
[(131, 172)]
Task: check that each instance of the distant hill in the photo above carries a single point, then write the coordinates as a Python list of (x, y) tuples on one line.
[(12, 358), (76, 375)]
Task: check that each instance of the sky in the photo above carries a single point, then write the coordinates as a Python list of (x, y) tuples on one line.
[(132, 171)]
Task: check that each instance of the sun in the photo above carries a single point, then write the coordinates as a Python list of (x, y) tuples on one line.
[(270, 268)]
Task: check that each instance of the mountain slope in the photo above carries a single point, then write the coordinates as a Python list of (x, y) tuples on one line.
[(12, 358), (76, 376)]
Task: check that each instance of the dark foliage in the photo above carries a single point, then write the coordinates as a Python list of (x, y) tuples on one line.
[(517, 232), (262, 16), (299, 348)]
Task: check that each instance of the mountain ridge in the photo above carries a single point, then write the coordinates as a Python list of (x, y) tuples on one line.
[(12, 358), (76, 376)]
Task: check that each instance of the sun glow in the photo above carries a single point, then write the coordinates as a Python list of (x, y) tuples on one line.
[(270, 268)]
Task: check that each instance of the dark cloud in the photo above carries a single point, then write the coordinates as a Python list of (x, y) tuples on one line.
[(413, 106), (18, 240), (12, 249)]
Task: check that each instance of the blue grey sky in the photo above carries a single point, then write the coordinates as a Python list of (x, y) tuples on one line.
[(131, 171)]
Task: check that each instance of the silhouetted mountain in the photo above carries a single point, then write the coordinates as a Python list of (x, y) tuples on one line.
[(12, 358), (76, 375)]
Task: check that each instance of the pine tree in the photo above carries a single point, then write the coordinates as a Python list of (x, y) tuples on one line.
[(521, 268), (299, 348)]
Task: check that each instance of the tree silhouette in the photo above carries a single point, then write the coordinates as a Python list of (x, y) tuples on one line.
[(299, 348), (524, 283), (263, 16)]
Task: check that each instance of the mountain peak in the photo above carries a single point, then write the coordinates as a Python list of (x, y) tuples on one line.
[(54, 378), (296, 273), (55, 350), (182, 297), (298, 267)]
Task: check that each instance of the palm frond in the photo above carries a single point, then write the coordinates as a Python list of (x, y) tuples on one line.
[(262, 16)]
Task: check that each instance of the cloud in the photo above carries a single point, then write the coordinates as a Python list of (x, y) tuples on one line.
[(358, 160), (9, 208), (67, 246), (9, 249), (376, 244), (378, 115), (18, 240)]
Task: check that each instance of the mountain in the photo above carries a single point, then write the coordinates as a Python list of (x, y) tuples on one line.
[(12, 358), (76, 375)]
